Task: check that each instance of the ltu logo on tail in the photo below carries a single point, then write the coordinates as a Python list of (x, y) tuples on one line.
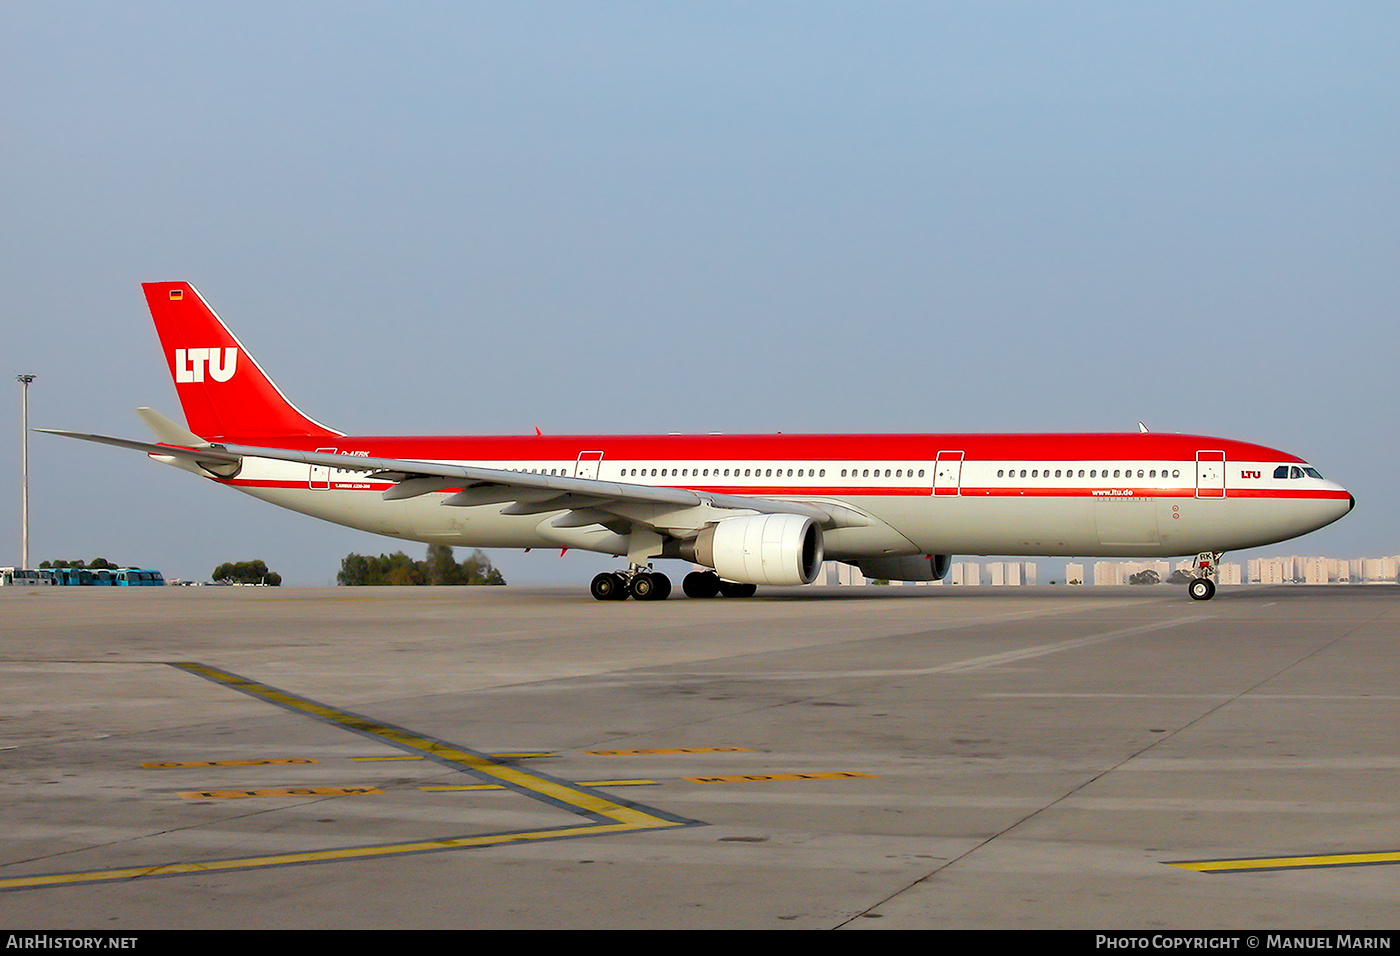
[(191, 363)]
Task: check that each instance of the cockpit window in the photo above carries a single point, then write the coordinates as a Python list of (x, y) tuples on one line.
[(1293, 471)]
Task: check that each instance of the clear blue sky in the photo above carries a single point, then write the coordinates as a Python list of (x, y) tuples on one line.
[(650, 217)]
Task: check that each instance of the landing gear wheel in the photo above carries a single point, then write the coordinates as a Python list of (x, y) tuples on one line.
[(608, 586), (650, 586), (732, 590), (1201, 589), (700, 584)]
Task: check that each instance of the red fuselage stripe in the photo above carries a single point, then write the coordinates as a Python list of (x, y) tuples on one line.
[(795, 449), (851, 491)]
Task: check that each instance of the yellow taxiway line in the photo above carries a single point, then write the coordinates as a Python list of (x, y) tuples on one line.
[(311, 856), (1288, 862), (558, 792), (607, 815)]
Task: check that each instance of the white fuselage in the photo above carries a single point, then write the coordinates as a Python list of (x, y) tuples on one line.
[(1151, 505)]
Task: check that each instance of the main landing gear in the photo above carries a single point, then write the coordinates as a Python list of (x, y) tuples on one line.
[(1202, 586), (641, 583), (707, 584)]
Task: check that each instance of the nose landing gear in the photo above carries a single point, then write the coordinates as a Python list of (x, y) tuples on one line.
[(1202, 587)]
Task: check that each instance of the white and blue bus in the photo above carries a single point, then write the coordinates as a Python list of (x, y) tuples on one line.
[(25, 577)]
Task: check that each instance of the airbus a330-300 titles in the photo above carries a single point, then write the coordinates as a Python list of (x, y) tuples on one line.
[(753, 509)]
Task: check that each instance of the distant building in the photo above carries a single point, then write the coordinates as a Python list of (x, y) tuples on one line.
[(1293, 569), (849, 575), (1004, 573), (967, 573), (1377, 570), (1121, 572)]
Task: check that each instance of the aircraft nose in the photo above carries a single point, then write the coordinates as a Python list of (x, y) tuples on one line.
[(1352, 499)]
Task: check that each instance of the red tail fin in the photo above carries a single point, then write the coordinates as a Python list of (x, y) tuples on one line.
[(225, 394)]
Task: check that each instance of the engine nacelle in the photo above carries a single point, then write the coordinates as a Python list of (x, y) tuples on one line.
[(912, 567), (762, 549)]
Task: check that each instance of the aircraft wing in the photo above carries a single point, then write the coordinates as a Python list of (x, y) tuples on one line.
[(622, 506)]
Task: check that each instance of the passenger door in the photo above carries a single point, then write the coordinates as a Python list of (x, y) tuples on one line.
[(320, 477), (1210, 474), (588, 464), (947, 473)]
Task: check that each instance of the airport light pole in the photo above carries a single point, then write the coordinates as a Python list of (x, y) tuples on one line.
[(24, 381)]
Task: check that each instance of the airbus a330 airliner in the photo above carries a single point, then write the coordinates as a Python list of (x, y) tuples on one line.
[(755, 509)]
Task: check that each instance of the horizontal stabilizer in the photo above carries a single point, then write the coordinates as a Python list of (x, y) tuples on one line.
[(167, 431), (213, 459)]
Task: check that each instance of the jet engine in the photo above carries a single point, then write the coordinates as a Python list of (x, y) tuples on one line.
[(762, 549), (913, 567)]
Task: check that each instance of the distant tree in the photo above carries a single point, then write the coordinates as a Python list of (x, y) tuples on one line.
[(398, 569), (386, 569), (1179, 577), (1147, 576), (478, 569), (441, 568), (247, 572), (354, 570), (96, 564)]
